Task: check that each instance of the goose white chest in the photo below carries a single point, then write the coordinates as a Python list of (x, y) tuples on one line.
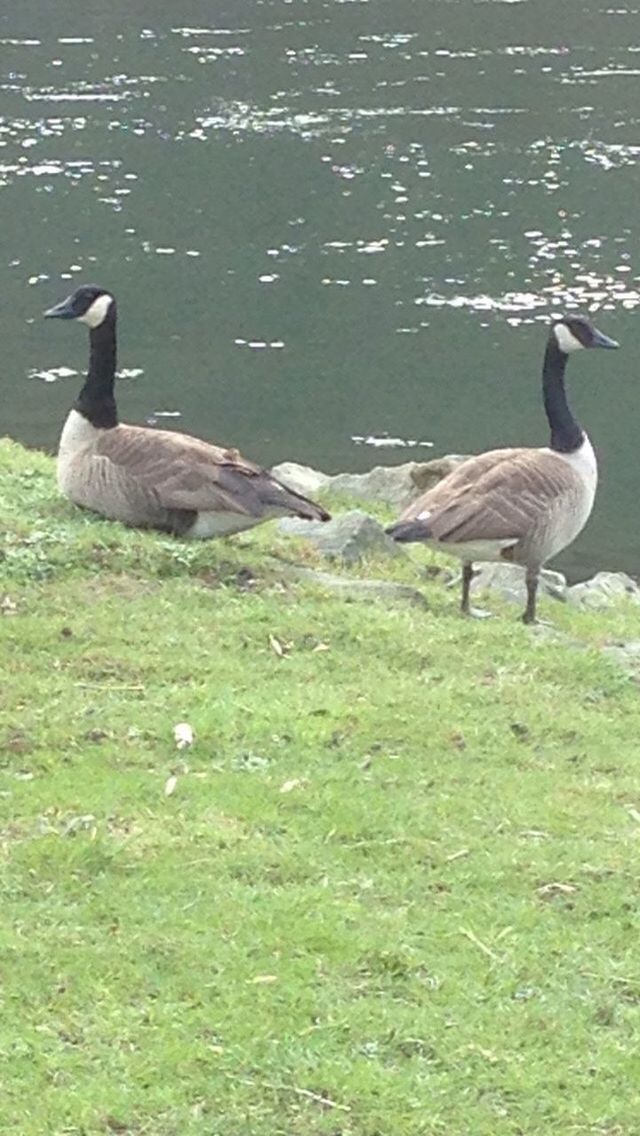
[(583, 461), (77, 440), (573, 509)]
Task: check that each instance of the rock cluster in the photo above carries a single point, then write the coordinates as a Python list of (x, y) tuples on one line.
[(508, 582), (353, 589), (392, 485), (349, 537), (604, 590)]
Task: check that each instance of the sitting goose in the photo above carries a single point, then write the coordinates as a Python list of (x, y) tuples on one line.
[(518, 505), (150, 478)]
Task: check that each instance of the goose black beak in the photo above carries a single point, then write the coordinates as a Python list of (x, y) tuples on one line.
[(64, 310), (600, 340)]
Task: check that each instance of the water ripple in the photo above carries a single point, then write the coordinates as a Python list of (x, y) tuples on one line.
[(354, 188)]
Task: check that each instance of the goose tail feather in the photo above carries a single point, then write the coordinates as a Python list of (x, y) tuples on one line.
[(309, 511), (406, 532), (278, 495)]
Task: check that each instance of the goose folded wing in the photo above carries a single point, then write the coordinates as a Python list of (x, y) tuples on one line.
[(177, 471), (507, 500), (467, 474)]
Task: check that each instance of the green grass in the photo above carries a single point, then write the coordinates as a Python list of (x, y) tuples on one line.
[(393, 893)]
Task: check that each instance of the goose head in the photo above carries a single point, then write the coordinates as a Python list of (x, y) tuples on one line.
[(571, 333), (90, 304)]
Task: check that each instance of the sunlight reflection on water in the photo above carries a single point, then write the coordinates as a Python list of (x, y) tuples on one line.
[(347, 205)]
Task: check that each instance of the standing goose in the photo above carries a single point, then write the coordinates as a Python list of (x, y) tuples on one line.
[(156, 479), (518, 505)]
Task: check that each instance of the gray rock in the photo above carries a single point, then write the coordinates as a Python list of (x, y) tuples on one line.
[(427, 474), (350, 537), (544, 635), (359, 589), (300, 478), (393, 485), (508, 582), (604, 590), (626, 655)]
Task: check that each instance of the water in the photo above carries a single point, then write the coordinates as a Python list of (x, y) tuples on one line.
[(328, 221)]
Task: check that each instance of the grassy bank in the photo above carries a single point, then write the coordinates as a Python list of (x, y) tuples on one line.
[(391, 889)]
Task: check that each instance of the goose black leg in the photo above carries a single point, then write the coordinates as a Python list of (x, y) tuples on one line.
[(467, 577), (529, 614), (468, 572)]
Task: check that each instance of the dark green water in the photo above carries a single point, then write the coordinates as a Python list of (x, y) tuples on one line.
[(327, 220)]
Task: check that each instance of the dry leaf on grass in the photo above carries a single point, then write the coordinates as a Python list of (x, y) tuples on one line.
[(278, 648), (82, 823), (116, 1125), (183, 735), (264, 979), (294, 783), (548, 891), (170, 785)]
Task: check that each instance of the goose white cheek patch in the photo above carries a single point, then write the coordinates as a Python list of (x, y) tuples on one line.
[(566, 340), (96, 313)]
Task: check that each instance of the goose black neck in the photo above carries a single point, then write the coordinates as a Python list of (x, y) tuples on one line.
[(566, 434), (96, 401)]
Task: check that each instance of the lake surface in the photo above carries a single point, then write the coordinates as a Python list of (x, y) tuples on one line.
[(329, 222)]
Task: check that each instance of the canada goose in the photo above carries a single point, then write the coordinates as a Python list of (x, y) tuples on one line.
[(518, 505), (154, 478)]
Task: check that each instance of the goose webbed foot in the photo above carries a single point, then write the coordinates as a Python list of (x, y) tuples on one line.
[(468, 573), (478, 613)]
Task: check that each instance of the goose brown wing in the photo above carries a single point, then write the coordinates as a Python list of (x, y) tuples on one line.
[(178, 471), (469, 472), (502, 498)]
